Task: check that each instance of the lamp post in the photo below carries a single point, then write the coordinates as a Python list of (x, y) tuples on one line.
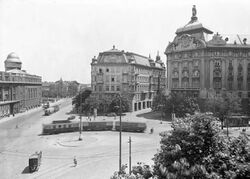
[(129, 141), (80, 125), (120, 133), (120, 137)]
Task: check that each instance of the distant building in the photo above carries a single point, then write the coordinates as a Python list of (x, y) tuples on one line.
[(59, 89), (18, 89), (201, 67), (137, 77), (83, 87)]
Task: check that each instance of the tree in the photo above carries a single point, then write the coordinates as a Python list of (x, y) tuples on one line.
[(115, 104), (194, 149), (223, 105), (159, 101), (80, 98), (177, 104)]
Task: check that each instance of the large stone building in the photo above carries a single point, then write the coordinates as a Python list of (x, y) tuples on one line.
[(202, 67), (135, 76), (18, 89)]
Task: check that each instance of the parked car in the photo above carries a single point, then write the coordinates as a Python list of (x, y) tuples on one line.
[(111, 114)]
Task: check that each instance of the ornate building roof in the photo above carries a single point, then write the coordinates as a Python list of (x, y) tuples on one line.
[(116, 56), (192, 36), (193, 25)]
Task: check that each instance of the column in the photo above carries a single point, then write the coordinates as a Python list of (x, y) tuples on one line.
[(180, 74), (2, 93), (235, 73), (244, 74), (223, 68), (169, 76), (211, 68), (202, 76)]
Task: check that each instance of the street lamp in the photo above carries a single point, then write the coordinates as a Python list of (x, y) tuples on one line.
[(120, 134), (80, 125)]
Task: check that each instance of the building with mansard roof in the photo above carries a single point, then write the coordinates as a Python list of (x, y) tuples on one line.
[(199, 66), (137, 77)]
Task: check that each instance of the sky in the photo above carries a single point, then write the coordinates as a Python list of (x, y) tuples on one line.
[(58, 38)]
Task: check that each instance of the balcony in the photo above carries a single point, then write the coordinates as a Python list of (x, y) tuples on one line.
[(125, 82), (175, 76), (99, 81), (217, 75), (240, 77), (186, 88), (230, 77), (185, 76)]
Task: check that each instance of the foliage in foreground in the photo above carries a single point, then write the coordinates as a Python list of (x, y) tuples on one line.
[(140, 171), (194, 149)]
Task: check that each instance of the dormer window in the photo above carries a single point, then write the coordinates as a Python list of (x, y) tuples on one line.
[(107, 70)]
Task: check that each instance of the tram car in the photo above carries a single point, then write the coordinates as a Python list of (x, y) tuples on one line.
[(236, 121), (51, 110), (97, 125), (35, 161), (128, 126), (61, 126)]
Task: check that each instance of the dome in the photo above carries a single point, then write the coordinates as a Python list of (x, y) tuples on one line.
[(13, 57), (12, 62)]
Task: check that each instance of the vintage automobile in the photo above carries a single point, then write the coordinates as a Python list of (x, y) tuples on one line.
[(51, 110), (35, 161)]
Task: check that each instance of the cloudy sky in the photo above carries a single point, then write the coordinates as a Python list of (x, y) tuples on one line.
[(58, 38)]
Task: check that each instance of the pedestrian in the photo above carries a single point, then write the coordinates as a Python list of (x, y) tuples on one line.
[(151, 130), (75, 161)]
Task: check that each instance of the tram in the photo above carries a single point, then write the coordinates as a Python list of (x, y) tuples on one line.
[(62, 126)]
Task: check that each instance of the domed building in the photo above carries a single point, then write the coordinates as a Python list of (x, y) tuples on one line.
[(13, 62), (19, 90), (199, 66)]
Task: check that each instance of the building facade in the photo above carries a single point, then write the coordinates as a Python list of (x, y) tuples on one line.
[(137, 77), (18, 90), (202, 67)]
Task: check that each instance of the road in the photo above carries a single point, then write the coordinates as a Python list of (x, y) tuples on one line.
[(97, 153)]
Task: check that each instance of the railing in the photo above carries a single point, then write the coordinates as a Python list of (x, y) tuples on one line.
[(6, 77), (185, 88)]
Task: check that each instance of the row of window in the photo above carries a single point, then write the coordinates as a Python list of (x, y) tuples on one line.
[(233, 53), (195, 63), (107, 88), (32, 93), (110, 69)]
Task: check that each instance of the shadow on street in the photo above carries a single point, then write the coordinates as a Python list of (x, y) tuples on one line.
[(26, 170)]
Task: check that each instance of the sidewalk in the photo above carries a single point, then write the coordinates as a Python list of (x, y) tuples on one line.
[(11, 117)]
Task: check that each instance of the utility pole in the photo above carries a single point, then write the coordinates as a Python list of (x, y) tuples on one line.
[(129, 142), (80, 130), (227, 128), (120, 137)]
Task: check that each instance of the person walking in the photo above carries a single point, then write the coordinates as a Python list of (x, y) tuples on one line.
[(75, 161)]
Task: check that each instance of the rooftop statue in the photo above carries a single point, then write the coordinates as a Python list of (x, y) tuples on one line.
[(194, 11)]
